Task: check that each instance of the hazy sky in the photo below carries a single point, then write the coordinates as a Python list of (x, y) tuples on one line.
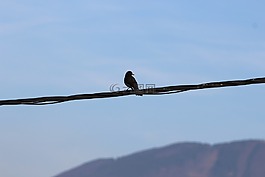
[(57, 47)]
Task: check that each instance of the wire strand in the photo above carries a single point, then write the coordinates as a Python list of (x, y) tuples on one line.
[(151, 91)]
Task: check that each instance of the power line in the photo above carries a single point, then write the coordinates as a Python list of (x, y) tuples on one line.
[(150, 91)]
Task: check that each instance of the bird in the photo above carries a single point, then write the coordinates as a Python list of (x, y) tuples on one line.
[(130, 82)]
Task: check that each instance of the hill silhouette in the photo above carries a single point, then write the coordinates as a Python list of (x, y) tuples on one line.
[(235, 159)]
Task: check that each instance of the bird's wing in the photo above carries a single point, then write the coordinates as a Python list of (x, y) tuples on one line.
[(134, 83)]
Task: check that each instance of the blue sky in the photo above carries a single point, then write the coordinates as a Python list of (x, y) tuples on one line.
[(70, 47)]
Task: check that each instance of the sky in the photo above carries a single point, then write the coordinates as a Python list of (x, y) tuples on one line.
[(56, 47)]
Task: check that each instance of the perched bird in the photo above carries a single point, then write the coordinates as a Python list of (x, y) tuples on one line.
[(130, 82)]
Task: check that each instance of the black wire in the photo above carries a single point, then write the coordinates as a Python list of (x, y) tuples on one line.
[(153, 91)]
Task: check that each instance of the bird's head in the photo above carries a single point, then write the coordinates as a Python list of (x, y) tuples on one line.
[(129, 73)]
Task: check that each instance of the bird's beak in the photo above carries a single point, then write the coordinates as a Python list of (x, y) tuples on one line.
[(132, 74)]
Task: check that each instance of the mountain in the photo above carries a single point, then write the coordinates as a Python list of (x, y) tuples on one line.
[(235, 159)]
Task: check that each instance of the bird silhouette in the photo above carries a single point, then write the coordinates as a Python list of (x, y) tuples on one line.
[(130, 82)]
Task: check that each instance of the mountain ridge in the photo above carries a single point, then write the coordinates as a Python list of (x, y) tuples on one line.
[(245, 158)]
